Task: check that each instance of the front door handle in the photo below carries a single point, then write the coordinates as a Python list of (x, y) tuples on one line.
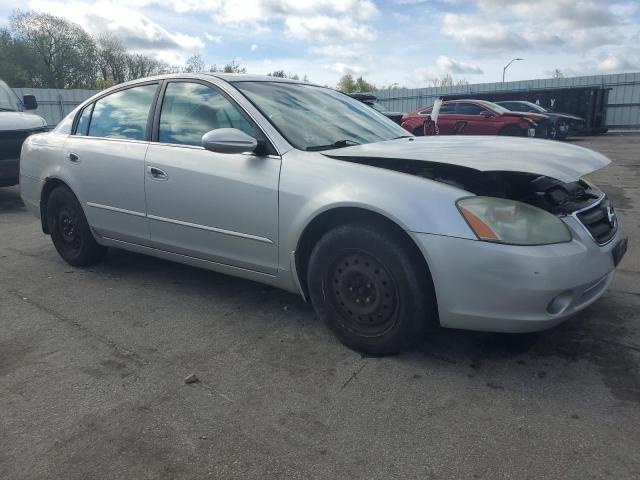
[(73, 157), (157, 173)]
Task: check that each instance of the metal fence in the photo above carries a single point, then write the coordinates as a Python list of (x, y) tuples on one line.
[(55, 104), (623, 106)]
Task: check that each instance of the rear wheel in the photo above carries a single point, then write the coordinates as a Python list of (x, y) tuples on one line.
[(512, 131), (368, 289), (70, 231)]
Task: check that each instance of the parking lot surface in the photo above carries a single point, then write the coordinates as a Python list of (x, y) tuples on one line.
[(93, 361)]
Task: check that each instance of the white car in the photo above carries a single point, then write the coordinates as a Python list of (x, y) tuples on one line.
[(307, 189), (15, 126)]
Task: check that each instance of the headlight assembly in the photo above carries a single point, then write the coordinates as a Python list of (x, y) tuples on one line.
[(507, 221)]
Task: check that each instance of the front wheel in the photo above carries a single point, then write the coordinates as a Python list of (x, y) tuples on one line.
[(512, 131), (70, 231), (370, 290)]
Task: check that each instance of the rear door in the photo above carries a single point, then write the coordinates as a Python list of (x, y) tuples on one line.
[(213, 206), (108, 148), (471, 121), (446, 119)]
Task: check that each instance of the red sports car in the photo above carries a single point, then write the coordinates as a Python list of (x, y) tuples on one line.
[(478, 117)]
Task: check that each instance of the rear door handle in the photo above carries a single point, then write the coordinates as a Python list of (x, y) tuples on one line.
[(73, 157), (157, 173)]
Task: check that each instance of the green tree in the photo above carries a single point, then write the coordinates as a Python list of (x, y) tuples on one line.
[(278, 74), (64, 54), (347, 84), (557, 73), (362, 85), (16, 61)]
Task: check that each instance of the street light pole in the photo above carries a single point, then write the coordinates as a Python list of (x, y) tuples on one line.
[(504, 70)]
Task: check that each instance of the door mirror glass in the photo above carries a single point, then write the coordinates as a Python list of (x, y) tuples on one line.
[(228, 140), (30, 102)]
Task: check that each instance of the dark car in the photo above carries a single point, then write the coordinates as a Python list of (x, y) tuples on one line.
[(371, 100), (478, 117), (560, 124), (15, 126)]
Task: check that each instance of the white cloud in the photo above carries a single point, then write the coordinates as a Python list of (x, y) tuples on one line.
[(234, 11), (508, 25), (342, 69), (254, 47), (476, 34), (136, 31), (614, 64), (449, 65), (325, 29), (339, 51), (213, 38)]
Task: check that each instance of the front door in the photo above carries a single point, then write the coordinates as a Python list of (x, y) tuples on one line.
[(213, 206)]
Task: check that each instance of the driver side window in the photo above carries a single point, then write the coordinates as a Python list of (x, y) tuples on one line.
[(189, 110)]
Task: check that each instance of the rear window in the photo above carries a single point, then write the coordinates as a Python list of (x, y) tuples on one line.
[(123, 114)]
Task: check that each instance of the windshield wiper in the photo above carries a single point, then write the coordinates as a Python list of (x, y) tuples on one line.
[(403, 136), (7, 109), (338, 144)]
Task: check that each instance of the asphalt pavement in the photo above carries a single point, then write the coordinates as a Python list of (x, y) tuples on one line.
[(93, 362)]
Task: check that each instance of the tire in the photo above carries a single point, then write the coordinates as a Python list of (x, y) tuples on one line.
[(512, 131), (367, 288), (70, 231)]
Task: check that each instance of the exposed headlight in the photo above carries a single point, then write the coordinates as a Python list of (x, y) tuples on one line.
[(507, 221)]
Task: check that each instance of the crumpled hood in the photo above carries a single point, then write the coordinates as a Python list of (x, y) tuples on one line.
[(10, 121), (562, 161)]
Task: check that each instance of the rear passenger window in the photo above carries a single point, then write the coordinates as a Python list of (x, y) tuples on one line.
[(83, 123), (447, 108), (123, 114), (468, 109), (189, 110)]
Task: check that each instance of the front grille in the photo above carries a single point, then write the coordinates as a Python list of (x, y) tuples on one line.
[(11, 142), (600, 220)]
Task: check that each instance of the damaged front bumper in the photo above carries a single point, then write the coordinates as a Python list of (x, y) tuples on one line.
[(509, 288)]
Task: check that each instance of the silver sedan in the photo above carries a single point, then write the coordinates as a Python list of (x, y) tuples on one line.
[(304, 188)]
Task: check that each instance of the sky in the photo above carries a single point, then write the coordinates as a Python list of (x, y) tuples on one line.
[(390, 43)]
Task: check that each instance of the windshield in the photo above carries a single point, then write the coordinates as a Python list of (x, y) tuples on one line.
[(538, 108), (317, 118), (8, 100), (493, 106)]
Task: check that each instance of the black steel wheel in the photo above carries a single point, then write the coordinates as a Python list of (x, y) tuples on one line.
[(370, 289), (69, 229), (363, 292)]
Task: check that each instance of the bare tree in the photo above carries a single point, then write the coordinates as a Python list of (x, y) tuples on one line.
[(111, 58), (195, 64), (65, 53)]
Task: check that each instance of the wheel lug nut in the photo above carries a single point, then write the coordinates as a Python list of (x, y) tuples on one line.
[(368, 299), (351, 289), (357, 300), (368, 285)]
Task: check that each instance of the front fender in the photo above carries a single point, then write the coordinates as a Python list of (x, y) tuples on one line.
[(312, 183)]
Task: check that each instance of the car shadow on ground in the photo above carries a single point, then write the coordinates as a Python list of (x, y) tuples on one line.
[(598, 335), (10, 200)]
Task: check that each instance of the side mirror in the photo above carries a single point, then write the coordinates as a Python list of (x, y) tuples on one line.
[(228, 140), (30, 102), (486, 114)]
